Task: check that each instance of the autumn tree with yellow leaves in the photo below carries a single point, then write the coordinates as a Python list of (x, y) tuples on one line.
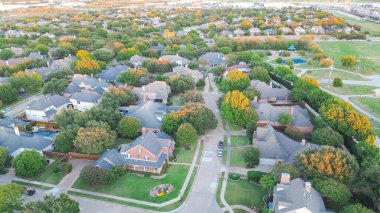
[(235, 80), (328, 162), (237, 109), (245, 24), (85, 64)]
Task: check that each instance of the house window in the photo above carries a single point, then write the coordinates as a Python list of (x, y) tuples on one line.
[(146, 157), (129, 156), (139, 150)]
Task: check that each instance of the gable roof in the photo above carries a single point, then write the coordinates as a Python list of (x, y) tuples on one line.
[(267, 91), (87, 80), (86, 96), (213, 57), (111, 73), (47, 101)]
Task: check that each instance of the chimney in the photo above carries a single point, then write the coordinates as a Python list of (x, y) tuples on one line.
[(308, 186), (255, 99), (17, 131), (303, 142), (285, 178), (48, 64), (270, 84)]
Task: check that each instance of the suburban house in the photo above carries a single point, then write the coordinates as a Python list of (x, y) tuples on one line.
[(269, 114), (87, 82), (159, 47), (63, 64), (148, 153), (238, 32), (242, 66), (175, 59), (275, 147), (137, 60), (157, 91), (317, 30), (254, 31), (270, 93), (291, 196), (85, 100), (299, 31), (179, 70), (111, 73), (45, 108), (44, 72), (16, 142), (150, 114), (11, 122), (211, 59), (285, 30)]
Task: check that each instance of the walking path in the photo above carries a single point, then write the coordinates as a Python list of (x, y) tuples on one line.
[(227, 167), (241, 207)]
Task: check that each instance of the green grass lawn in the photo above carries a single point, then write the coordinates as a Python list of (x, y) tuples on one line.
[(350, 89), (237, 158), (234, 127), (371, 27), (239, 140), (366, 52), (371, 105), (120, 141), (49, 176), (324, 74), (185, 156), (136, 187), (218, 190), (242, 192), (376, 128)]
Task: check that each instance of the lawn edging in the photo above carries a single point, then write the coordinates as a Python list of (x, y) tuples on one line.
[(34, 185)]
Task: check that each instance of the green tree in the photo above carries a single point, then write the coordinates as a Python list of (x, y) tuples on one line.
[(53, 204), (54, 86), (126, 54), (5, 159), (260, 73), (338, 82), (267, 182), (26, 81), (294, 133), (181, 84), (94, 176), (235, 80), (251, 128), (282, 71), (64, 139), (250, 93), (285, 118), (129, 127), (103, 55), (43, 49), (186, 135), (114, 97), (29, 163), (333, 190), (8, 94), (218, 71), (356, 208), (101, 32), (251, 157), (10, 197), (6, 54), (192, 96), (133, 76), (327, 136), (278, 169)]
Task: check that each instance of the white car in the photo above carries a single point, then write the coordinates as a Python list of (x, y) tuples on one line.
[(220, 153), (8, 109)]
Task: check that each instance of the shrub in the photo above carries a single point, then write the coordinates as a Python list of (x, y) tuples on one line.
[(285, 53), (278, 169), (254, 176), (327, 136), (233, 176), (67, 168), (279, 60), (201, 83), (28, 128), (337, 82), (251, 157), (294, 133), (285, 118), (94, 176)]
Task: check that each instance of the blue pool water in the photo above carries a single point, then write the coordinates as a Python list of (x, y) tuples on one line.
[(46, 134), (296, 61)]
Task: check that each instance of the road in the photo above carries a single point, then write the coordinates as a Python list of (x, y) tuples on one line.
[(19, 108)]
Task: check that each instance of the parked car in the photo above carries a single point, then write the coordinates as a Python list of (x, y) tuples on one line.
[(30, 192), (8, 109), (220, 152), (220, 145)]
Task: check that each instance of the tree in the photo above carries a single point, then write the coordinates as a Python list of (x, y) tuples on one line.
[(250, 93), (192, 96), (26, 81), (356, 208), (129, 127), (278, 169), (267, 182), (64, 139), (52, 204), (157, 66), (8, 94), (285, 118), (95, 138), (87, 66), (337, 82), (218, 71), (181, 84), (260, 73), (127, 53), (6, 54), (54, 86), (94, 176), (236, 80), (29, 163), (333, 190), (251, 157), (282, 71), (43, 49), (133, 76), (103, 55), (186, 135), (101, 32), (327, 136), (245, 24), (5, 159), (349, 61), (10, 197), (328, 162), (114, 97), (325, 62), (251, 128), (294, 133)]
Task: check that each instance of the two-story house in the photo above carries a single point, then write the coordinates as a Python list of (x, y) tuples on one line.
[(157, 91), (85, 100), (45, 108)]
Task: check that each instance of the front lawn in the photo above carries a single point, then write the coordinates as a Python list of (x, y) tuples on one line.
[(185, 156), (242, 192), (52, 173), (234, 127), (137, 187), (239, 140), (237, 158), (369, 104), (348, 89)]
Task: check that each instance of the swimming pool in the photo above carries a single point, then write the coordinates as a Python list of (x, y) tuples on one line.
[(46, 134), (295, 60)]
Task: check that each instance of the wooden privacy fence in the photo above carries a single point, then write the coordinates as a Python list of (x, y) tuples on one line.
[(66, 156)]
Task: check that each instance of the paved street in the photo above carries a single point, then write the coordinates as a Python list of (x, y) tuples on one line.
[(19, 108)]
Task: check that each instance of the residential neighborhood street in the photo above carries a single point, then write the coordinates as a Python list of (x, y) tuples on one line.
[(19, 108)]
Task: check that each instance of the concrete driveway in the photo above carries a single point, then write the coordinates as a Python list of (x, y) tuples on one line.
[(78, 165)]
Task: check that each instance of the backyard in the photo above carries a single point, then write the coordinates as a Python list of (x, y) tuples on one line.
[(52, 174), (243, 192), (366, 52), (348, 89), (138, 186)]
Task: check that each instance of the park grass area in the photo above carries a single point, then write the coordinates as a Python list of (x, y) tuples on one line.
[(350, 89), (185, 156), (372, 27), (366, 52), (370, 104), (136, 187), (52, 173), (239, 140), (243, 192), (237, 158), (22, 183), (376, 128), (325, 73)]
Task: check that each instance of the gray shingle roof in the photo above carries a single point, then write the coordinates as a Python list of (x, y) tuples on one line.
[(213, 58), (86, 96), (47, 101), (72, 88), (44, 71), (11, 122), (111, 73), (93, 82), (268, 91)]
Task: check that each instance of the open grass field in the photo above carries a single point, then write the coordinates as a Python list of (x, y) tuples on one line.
[(51, 175), (242, 192), (324, 74), (366, 52), (239, 140), (371, 27), (137, 187), (350, 89), (371, 105)]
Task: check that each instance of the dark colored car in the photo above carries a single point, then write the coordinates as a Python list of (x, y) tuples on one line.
[(30, 192), (220, 145)]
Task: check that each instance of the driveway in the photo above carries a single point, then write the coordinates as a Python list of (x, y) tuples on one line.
[(78, 165)]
